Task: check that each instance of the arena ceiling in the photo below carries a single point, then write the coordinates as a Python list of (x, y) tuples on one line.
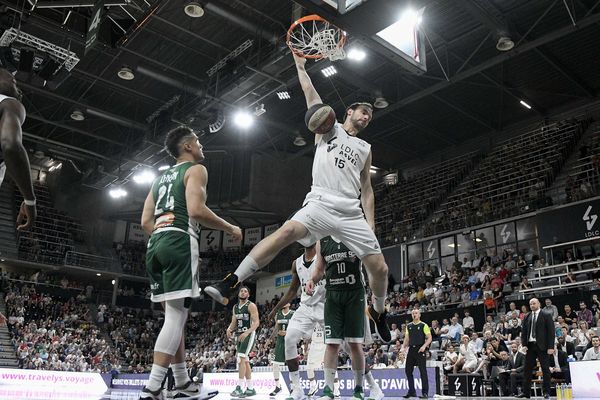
[(555, 63)]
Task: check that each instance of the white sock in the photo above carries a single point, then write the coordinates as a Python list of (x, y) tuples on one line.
[(310, 374), (358, 377), (180, 374), (246, 268), (157, 374), (276, 373), (329, 377), (295, 378), (379, 304), (249, 383), (371, 381), (241, 382)]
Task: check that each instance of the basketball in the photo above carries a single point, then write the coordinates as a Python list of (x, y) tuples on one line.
[(320, 119)]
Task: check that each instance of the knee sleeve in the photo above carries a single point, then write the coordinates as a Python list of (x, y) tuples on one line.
[(292, 337), (170, 335)]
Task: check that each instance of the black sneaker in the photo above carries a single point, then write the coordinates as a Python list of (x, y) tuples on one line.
[(408, 396), (424, 396), (223, 290), (147, 394), (274, 392), (381, 327)]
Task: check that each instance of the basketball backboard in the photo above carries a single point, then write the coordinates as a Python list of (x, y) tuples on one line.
[(343, 6)]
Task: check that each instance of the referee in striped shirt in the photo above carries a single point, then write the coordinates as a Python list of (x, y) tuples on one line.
[(417, 338)]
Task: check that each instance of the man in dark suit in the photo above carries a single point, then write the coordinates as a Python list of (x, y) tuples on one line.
[(538, 337), (567, 347), (517, 360), (559, 366)]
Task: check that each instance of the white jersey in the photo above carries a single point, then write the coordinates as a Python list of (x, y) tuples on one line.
[(304, 273), (2, 165), (339, 160)]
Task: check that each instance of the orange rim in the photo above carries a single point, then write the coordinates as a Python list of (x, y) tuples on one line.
[(307, 18)]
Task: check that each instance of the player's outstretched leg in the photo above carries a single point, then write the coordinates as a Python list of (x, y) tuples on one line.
[(377, 270), (262, 254)]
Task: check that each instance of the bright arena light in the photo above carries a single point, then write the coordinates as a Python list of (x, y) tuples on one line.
[(243, 119), (143, 177), (117, 193), (329, 71), (527, 106), (164, 167), (356, 54), (411, 17)]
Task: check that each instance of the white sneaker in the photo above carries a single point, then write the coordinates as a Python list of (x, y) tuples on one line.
[(297, 395), (313, 388), (375, 394), (192, 390)]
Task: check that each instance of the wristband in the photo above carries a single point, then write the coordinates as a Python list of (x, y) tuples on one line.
[(29, 202)]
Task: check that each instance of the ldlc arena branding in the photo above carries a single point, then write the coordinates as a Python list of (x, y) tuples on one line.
[(590, 222)]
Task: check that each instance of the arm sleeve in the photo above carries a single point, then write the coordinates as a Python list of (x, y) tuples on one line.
[(426, 329)]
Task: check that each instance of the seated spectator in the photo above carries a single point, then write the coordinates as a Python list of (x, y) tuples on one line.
[(468, 322), (450, 358), (503, 373), (584, 313), (566, 346), (582, 336), (569, 315), (559, 366), (517, 359), (467, 359), (551, 309), (525, 284), (593, 353), (514, 329)]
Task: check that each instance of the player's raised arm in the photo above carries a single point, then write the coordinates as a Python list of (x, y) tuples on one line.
[(291, 294), (311, 95)]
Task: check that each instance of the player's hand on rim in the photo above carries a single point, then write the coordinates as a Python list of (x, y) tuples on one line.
[(300, 61), (26, 217)]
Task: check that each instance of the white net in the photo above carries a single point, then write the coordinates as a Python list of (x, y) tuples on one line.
[(318, 39)]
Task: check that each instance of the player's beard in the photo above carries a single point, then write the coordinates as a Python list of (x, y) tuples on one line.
[(358, 125)]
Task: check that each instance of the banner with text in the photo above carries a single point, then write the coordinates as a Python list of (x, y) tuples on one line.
[(94, 27), (252, 236), (230, 242), (263, 382), (586, 378), (570, 223), (136, 233), (270, 229), (210, 240), (88, 382)]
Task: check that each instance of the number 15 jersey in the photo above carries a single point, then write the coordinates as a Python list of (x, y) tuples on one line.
[(339, 160)]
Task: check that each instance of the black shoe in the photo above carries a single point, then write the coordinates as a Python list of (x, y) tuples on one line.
[(424, 396), (274, 392), (408, 396), (381, 326), (223, 290), (523, 396), (546, 396), (147, 394)]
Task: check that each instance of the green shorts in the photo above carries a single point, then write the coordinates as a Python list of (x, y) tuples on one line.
[(345, 316), (244, 347), (280, 350), (172, 263)]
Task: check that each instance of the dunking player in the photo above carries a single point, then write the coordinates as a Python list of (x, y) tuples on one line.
[(282, 320), (341, 184), (345, 319), (244, 322), (13, 156), (174, 207)]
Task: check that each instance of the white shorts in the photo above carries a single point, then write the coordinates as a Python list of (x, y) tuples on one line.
[(306, 318), (321, 216), (316, 351)]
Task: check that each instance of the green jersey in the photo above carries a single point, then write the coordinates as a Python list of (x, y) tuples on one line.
[(283, 319), (170, 210), (242, 315), (343, 269)]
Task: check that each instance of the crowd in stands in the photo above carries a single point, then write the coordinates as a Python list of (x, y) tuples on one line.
[(54, 232), (584, 177), (53, 334), (132, 256)]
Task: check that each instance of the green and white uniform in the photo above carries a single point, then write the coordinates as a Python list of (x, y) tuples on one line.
[(244, 321), (345, 294), (172, 255), (283, 320)]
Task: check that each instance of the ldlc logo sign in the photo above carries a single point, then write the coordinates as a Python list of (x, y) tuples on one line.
[(590, 221)]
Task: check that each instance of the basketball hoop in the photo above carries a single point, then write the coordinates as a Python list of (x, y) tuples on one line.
[(316, 38)]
